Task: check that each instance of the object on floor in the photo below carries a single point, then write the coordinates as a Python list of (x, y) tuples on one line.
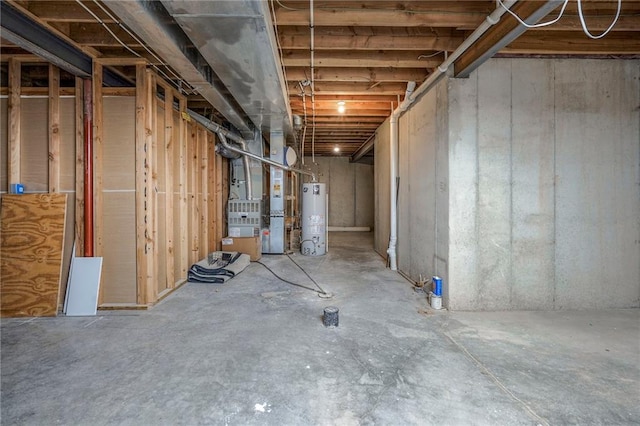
[(31, 247), (435, 300), (330, 317), (247, 245), (84, 284), (218, 267)]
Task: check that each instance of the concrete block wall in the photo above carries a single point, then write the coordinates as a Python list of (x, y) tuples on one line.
[(382, 182), (545, 185), (351, 190), (521, 185)]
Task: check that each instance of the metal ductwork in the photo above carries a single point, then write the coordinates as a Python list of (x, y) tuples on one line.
[(237, 40), (151, 22)]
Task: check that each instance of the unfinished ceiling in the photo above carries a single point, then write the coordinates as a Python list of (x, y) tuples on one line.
[(364, 52)]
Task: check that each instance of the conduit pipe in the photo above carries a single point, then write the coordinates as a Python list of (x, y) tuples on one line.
[(224, 134), (409, 99), (87, 103)]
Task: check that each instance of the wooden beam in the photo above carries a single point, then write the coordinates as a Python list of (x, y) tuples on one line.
[(348, 17), (357, 74), (212, 221), (151, 142), (79, 135), (358, 89), (13, 129), (361, 97), (52, 28), (352, 112), (98, 168), (94, 34), (142, 197), (97, 107), (364, 59), (66, 11), (54, 128), (536, 42), (194, 217), (335, 119), (298, 105), (183, 252), (204, 195), (169, 148), (368, 42), (495, 34), (220, 204)]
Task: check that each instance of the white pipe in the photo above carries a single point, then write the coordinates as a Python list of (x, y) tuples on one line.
[(409, 98), (393, 172), (224, 134)]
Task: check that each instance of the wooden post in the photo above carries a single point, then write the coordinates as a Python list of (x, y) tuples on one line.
[(168, 182), (204, 225), (98, 169), (212, 220), (141, 186), (182, 182), (219, 203), (152, 186), (13, 128), (54, 128), (79, 238), (193, 178)]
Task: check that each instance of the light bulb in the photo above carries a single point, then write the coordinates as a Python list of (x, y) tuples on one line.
[(336, 149), (341, 107)]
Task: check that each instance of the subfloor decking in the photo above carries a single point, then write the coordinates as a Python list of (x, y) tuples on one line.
[(254, 351)]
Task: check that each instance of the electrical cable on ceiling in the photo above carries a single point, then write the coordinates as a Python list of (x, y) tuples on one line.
[(540, 25), (583, 22), (123, 44)]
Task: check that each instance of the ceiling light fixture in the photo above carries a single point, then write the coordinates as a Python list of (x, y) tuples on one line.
[(341, 107), (336, 149)]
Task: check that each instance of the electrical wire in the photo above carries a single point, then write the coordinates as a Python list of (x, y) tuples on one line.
[(287, 281), (307, 274), (584, 24), (137, 40), (540, 25)]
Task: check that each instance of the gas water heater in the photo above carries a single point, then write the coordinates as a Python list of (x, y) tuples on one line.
[(314, 219)]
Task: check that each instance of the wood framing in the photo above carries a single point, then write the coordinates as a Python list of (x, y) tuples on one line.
[(142, 177), (14, 124), (169, 148), (182, 175), (79, 135), (151, 187), (54, 128)]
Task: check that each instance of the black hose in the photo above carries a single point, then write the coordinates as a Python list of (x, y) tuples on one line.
[(287, 281)]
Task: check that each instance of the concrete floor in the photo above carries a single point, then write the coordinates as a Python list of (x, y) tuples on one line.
[(254, 351)]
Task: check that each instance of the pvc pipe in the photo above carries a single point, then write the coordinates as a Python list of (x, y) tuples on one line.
[(224, 134), (393, 172), (88, 166), (409, 98)]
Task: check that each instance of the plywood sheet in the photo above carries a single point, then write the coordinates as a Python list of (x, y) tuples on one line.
[(3, 144), (32, 237)]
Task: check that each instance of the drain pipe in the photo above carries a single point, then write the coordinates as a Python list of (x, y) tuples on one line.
[(409, 99), (224, 134)]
